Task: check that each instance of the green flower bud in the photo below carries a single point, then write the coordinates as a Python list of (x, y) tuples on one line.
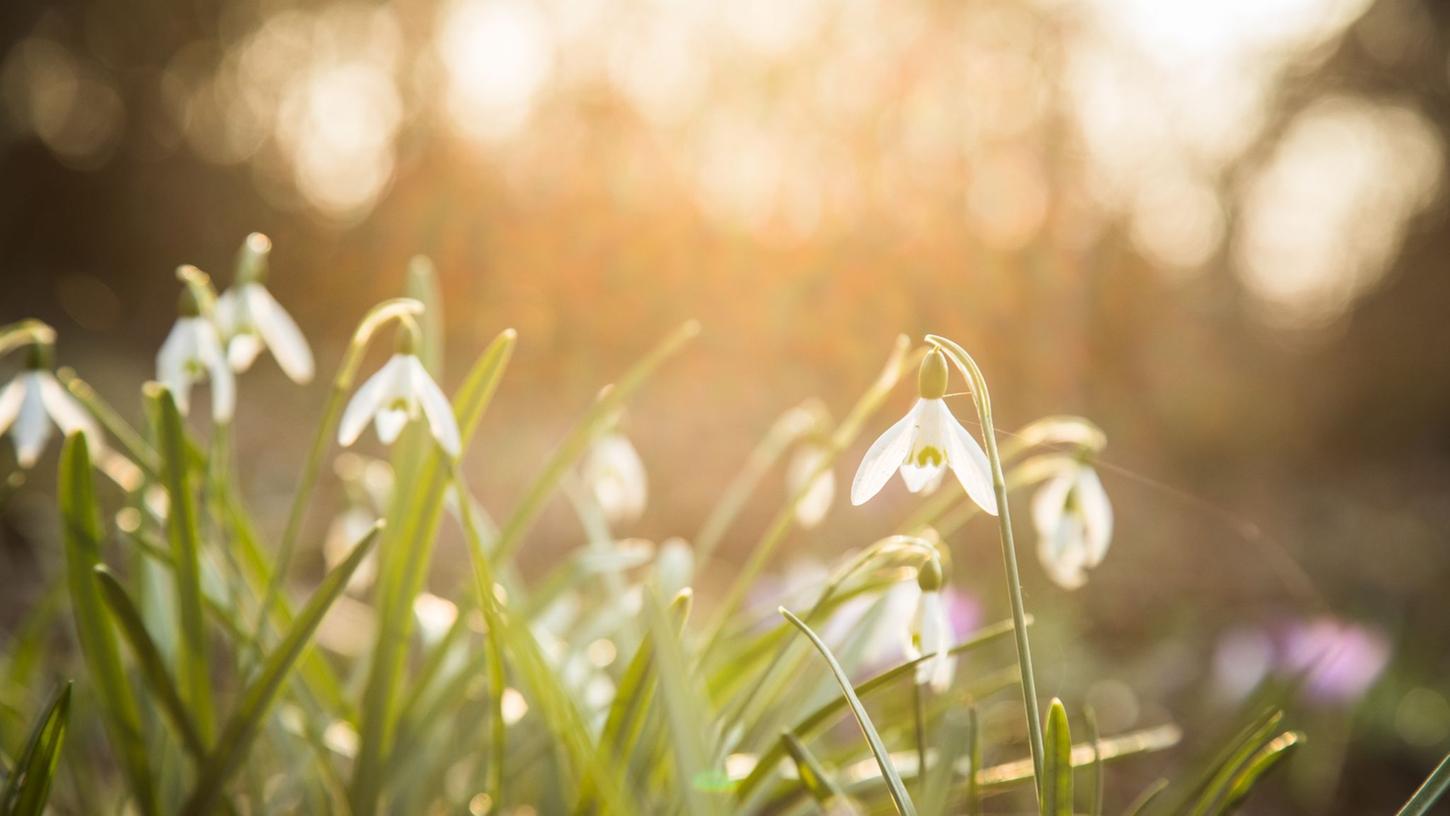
[(252, 259), (929, 575), (40, 356), (186, 303), (931, 380)]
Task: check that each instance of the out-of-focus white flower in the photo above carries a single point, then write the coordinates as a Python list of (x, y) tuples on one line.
[(397, 393), (819, 491), (1074, 523), (931, 631), (250, 318), (346, 530), (924, 443), (674, 567), (193, 352), (32, 402), (615, 475)]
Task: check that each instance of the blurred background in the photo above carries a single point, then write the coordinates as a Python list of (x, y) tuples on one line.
[(1216, 229)]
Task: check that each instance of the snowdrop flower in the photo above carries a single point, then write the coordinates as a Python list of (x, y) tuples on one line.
[(32, 402), (1074, 523), (819, 492), (193, 352), (924, 443), (397, 393), (931, 630), (674, 566), (615, 475), (250, 318)]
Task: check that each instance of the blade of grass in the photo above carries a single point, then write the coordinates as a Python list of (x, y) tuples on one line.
[(810, 723), (81, 520), (406, 552), (148, 657), (686, 713), (28, 787), (181, 530), (1140, 804), (1245, 748), (899, 796), (1093, 736), (594, 422), (1057, 763), (1435, 786), (1269, 757), (813, 777), (242, 726)]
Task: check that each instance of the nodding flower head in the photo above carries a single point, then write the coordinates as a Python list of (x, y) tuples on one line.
[(1074, 522), (33, 402), (616, 477), (931, 630), (193, 352), (250, 319), (924, 443), (399, 392)]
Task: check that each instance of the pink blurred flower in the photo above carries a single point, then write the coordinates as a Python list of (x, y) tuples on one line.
[(1341, 660)]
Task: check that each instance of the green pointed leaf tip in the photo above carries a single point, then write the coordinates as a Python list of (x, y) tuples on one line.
[(1057, 764), (28, 787)]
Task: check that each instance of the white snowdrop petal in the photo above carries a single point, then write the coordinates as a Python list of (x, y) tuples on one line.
[(286, 341), (918, 477), (884, 457), (616, 476), (1097, 515), (223, 391), (67, 412), (171, 363), (968, 461), (815, 502), (32, 424), (390, 422), (10, 400), (227, 312), (436, 408), (242, 351), (366, 402), (1049, 503)]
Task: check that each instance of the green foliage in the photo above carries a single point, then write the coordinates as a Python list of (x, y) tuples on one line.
[(28, 786), (1057, 763)]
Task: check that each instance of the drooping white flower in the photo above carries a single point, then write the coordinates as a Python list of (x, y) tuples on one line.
[(924, 443), (931, 631), (32, 402), (250, 319), (397, 393), (674, 566), (1074, 524), (820, 491), (193, 352), (615, 475)]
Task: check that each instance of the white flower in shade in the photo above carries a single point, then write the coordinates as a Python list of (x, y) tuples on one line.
[(674, 566), (1074, 524), (615, 475), (819, 491), (931, 631), (193, 352), (923, 444), (32, 403), (251, 319), (398, 393)]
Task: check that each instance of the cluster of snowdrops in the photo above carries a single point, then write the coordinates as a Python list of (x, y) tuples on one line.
[(592, 688)]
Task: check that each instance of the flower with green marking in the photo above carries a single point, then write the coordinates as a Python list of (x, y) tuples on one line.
[(931, 630), (399, 392), (250, 319), (1074, 522), (922, 444), (616, 477), (193, 352), (33, 402)]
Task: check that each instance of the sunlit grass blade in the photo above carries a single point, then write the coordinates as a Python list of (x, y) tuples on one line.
[(1150, 794), (182, 534), (1269, 757), (1094, 737), (1106, 749), (1057, 763), (148, 657), (1435, 786), (422, 286), (403, 563), (594, 422), (81, 523), (596, 769), (899, 796), (818, 718), (28, 787), (1239, 753), (813, 777), (688, 716), (246, 720)]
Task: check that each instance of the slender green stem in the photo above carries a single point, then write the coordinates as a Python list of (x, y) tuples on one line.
[(918, 698), (395, 309), (969, 369)]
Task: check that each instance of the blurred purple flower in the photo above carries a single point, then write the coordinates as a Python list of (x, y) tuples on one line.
[(1341, 660)]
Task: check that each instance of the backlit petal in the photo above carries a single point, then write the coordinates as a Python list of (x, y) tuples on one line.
[(436, 408), (283, 337), (32, 424), (390, 422), (1049, 503), (819, 491), (10, 400), (884, 457), (1097, 514), (366, 402), (176, 352), (68, 413), (968, 461), (242, 351)]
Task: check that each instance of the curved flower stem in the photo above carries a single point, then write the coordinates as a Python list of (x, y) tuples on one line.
[(969, 369), (389, 310)]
